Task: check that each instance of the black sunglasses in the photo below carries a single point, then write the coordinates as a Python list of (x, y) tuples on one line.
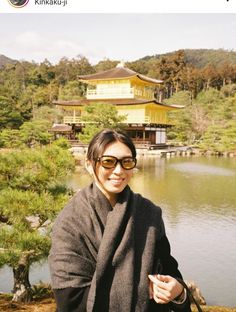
[(109, 162)]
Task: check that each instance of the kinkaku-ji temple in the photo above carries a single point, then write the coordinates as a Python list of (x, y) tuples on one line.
[(134, 95)]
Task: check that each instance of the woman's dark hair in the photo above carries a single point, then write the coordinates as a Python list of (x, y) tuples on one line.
[(105, 137)]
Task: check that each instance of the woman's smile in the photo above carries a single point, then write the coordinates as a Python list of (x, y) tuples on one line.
[(116, 181)]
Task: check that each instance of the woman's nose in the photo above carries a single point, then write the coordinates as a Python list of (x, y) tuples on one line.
[(118, 168)]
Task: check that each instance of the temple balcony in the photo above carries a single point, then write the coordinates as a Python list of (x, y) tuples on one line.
[(71, 119), (129, 119), (118, 93)]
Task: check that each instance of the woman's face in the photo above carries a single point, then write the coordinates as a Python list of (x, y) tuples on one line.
[(113, 181)]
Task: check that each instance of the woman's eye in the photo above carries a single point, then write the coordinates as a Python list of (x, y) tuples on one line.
[(127, 161), (108, 161)]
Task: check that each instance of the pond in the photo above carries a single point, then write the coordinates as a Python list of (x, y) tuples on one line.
[(198, 199)]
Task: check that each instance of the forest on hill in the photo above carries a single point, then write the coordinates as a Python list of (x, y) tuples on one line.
[(202, 80), (202, 57)]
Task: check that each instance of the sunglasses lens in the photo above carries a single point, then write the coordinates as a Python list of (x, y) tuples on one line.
[(128, 163), (108, 162)]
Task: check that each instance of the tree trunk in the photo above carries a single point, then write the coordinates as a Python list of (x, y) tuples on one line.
[(22, 288)]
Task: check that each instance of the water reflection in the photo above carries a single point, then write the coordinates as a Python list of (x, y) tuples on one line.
[(166, 181), (194, 167)]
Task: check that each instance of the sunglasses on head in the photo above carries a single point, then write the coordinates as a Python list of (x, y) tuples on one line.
[(109, 162)]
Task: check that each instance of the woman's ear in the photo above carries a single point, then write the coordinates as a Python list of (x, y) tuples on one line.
[(89, 167)]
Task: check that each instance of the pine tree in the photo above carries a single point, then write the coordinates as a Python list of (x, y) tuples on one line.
[(31, 195)]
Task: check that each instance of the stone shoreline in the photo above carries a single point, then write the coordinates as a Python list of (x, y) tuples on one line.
[(164, 152), (183, 151)]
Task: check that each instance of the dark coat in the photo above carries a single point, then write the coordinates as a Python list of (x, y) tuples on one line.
[(110, 252)]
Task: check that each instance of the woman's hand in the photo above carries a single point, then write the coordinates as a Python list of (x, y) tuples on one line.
[(164, 288)]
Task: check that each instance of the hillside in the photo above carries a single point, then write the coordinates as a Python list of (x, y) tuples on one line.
[(6, 60), (201, 57)]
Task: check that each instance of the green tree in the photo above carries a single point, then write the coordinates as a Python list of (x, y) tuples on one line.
[(220, 138), (35, 132), (229, 90), (72, 90), (42, 73), (10, 138), (181, 130), (46, 113), (34, 169), (9, 116), (68, 70), (208, 119), (99, 116), (105, 64), (32, 192), (229, 136)]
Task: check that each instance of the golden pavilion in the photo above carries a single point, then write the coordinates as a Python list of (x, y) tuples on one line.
[(133, 94)]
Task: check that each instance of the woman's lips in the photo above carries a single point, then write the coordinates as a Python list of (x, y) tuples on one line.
[(116, 181)]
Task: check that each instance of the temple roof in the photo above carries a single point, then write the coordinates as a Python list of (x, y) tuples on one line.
[(61, 128), (119, 72), (117, 102)]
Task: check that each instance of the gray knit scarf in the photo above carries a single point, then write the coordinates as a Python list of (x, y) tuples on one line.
[(110, 250)]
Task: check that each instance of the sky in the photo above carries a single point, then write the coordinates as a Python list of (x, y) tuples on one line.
[(121, 37)]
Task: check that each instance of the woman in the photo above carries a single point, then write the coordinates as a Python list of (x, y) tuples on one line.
[(109, 247)]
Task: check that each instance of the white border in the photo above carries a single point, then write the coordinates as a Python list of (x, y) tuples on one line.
[(125, 6)]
